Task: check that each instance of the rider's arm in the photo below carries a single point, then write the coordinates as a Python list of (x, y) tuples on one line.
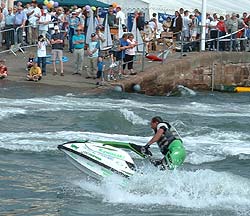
[(156, 137)]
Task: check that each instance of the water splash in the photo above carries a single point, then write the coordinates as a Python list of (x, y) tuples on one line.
[(73, 103), (181, 90), (133, 118), (190, 189), (7, 112)]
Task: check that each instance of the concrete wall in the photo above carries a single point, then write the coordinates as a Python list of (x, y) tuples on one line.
[(194, 71)]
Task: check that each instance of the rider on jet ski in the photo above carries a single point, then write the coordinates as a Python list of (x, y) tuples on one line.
[(169, 142)]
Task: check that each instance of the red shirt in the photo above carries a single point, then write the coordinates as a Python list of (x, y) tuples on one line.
[(221, 26)]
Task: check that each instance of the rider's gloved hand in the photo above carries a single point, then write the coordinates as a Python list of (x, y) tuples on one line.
[(145, 148)]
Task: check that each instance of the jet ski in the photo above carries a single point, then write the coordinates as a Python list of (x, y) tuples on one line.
[(100, 159)]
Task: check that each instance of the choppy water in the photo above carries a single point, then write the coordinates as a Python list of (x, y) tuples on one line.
[(36, 179)]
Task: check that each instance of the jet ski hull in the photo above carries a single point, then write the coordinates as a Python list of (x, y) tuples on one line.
[(97, 159)]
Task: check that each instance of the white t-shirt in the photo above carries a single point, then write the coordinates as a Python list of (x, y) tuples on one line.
[(213, 24), (41, 49), (131, 51), (46, 18), (186, 22), (121, 16), (207, 25), (32, 17), (152, 25)]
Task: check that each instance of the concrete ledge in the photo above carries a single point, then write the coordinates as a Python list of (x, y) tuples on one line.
[(193, 71)]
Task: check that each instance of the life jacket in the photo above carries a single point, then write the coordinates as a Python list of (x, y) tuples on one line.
[(167, 137)]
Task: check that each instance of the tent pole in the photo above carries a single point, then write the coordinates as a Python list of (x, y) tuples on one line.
[(203, 24)]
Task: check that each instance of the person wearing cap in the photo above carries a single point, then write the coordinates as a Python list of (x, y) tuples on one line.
[(120, 16), (44, 21), (93, 52), (169, 142), (57, 42), (78, 43)]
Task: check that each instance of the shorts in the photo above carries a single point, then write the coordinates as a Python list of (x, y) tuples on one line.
[(57, 53), (99, 74), (117, 54)]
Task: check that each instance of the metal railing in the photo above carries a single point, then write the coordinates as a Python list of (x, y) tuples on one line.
[(21, 37)]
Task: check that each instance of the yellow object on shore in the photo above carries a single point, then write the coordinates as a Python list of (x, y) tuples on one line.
[(242, 89)]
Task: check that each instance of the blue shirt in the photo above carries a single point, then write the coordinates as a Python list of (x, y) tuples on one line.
[(19, 18), (76, 38), (123, 43), (74, 22), (9, 19), (100, 65)]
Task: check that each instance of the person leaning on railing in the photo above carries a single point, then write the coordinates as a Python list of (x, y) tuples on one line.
[(44, 21), (221, 26), (2, 25), (232, 26), (130, 53), (9, 24), (19, 23), (213, 32)]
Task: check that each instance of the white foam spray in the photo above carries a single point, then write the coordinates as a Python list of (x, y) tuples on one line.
[(191, 189), (133, 118)]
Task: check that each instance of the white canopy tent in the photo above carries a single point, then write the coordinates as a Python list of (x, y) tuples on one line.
[(221, 7)]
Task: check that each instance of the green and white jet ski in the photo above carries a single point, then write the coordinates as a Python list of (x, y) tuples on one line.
[(101, 159)]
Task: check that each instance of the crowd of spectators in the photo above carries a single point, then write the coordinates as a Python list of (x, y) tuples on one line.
[(35, 24), (187, 25)]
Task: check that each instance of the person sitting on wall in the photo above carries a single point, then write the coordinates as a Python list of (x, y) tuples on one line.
[(35, 73), (3, 70)]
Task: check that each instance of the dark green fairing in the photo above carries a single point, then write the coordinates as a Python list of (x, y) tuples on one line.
[(130, 146), (133, 147)]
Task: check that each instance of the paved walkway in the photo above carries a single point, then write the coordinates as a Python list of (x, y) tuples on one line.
[(17, 65)]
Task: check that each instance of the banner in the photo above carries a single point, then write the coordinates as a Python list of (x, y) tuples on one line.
[(163, 16)]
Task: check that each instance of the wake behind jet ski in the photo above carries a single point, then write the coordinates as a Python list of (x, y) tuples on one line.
[(101, 159)]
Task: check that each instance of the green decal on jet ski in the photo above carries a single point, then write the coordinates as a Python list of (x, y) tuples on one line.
[(74, 146), (94, 156), (111, 154)]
